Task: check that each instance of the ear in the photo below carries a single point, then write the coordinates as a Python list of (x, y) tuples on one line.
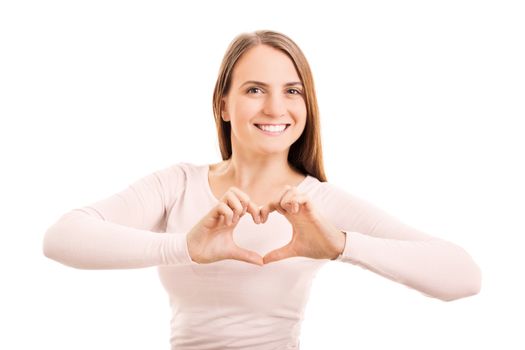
[(224, 110)]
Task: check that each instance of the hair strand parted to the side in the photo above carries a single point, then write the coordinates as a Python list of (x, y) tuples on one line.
[(305, 154)]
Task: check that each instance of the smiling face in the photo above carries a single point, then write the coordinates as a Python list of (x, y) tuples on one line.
[(265, 90)]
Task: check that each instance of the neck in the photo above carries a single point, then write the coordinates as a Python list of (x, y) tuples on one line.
[(257, 173)]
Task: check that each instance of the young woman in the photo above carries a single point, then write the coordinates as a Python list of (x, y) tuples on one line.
[(238, 277)]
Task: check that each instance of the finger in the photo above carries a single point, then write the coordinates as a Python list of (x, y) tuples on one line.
[(274, 205), (223, 221), (286, 198), (289, 206), (231, 199), (242, 196), (298, 201), (279, 254), (222, 209), (267, 209), (304, 202), (264, 212), (253, 209)]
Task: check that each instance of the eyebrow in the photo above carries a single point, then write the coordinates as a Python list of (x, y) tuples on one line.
[(293, 83)]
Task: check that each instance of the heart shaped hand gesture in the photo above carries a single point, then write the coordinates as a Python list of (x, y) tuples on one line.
[(211, 239), (313, 235)]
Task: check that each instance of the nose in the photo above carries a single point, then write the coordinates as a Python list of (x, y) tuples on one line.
[(274, 106)]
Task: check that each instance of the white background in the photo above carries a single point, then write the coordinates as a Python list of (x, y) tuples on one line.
[(420, 108)]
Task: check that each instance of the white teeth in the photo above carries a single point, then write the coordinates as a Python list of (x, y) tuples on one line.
[(272, 128)]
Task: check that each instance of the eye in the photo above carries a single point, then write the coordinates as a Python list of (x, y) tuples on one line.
[(252, 89), (297, 92)]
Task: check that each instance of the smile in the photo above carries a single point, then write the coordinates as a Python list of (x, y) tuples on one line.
[(272, 129)]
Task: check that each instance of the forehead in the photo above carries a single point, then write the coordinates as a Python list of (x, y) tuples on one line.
[(264, 63)]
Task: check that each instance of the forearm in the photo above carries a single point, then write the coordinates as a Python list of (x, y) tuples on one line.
[(83, 241), (435, 267)]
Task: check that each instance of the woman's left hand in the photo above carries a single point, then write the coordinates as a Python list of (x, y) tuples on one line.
[(313, 235)]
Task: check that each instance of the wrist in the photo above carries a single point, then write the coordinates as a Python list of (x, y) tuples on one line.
[(340, 243)]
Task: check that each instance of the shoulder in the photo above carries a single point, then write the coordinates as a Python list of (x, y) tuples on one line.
[(174, 178), (333, 196), (316, 187), (180, 171)]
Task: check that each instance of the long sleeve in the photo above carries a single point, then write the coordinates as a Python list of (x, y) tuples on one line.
[(377, 241), (124, 230)]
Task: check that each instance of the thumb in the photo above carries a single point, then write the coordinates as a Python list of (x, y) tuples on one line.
[(247, 256), (279, 254)]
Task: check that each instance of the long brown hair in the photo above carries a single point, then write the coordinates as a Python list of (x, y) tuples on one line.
[(305, 154)]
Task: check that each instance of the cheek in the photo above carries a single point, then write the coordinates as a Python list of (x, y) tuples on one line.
[(247, 109), (300, 112)]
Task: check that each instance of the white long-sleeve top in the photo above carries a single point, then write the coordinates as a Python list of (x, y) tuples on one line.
[(236, 305)]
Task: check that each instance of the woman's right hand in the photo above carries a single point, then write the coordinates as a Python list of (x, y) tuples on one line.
[(211, 239)]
